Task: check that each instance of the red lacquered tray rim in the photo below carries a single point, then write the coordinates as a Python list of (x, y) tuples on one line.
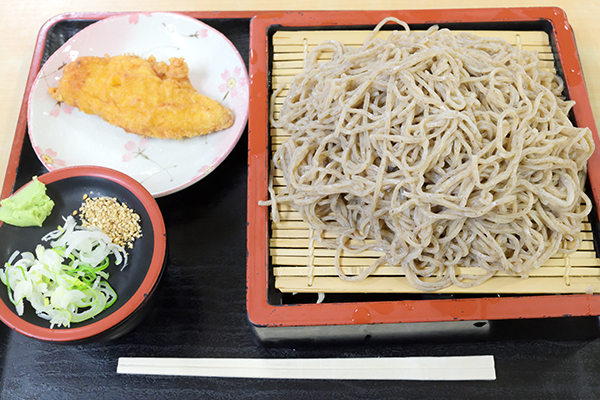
[(263, 314)]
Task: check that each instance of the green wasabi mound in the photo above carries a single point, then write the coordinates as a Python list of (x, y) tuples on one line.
[(29, 206)]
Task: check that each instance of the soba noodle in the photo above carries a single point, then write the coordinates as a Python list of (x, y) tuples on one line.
[(441, 151)]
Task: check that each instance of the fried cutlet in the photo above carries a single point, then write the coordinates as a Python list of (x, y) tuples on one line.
[(144, 97)]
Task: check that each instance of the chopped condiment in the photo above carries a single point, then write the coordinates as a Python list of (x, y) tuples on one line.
[(117, 220), (29, 206), (65, 283)]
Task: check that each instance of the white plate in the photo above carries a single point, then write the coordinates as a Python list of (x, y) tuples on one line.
[(63, 136)]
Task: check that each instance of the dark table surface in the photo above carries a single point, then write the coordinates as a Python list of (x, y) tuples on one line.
[(201, 312)]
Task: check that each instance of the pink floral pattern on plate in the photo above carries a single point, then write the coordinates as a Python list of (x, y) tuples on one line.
[(233, 82), (202, 33), (67, 109), (134, 149), (137, 149), (50, 158), (204, 170), (135, 18)]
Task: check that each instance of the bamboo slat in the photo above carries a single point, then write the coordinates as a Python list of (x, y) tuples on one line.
[(357, 37), (304, 265), (505, 285)]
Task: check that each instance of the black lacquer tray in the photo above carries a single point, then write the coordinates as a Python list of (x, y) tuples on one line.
[(201, 308)]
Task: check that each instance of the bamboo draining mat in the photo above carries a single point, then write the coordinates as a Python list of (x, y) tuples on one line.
[(302, 265)]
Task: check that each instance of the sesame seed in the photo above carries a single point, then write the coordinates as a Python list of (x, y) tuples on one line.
[(115, 219)]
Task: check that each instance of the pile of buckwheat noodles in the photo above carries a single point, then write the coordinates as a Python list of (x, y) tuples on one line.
[(441, 151)]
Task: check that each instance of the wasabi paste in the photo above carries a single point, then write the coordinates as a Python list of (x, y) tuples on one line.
[(29, 206)]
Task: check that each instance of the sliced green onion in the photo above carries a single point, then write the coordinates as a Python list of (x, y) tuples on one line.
[(67, 282)]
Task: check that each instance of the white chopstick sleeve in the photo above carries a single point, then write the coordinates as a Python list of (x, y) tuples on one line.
[(459, 368)]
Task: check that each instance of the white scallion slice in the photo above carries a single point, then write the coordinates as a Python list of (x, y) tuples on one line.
[(65, 283)]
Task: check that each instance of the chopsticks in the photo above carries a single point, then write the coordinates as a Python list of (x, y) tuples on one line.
[(457, 368)]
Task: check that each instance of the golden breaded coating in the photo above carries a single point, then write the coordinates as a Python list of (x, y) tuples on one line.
[(144, 97)]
